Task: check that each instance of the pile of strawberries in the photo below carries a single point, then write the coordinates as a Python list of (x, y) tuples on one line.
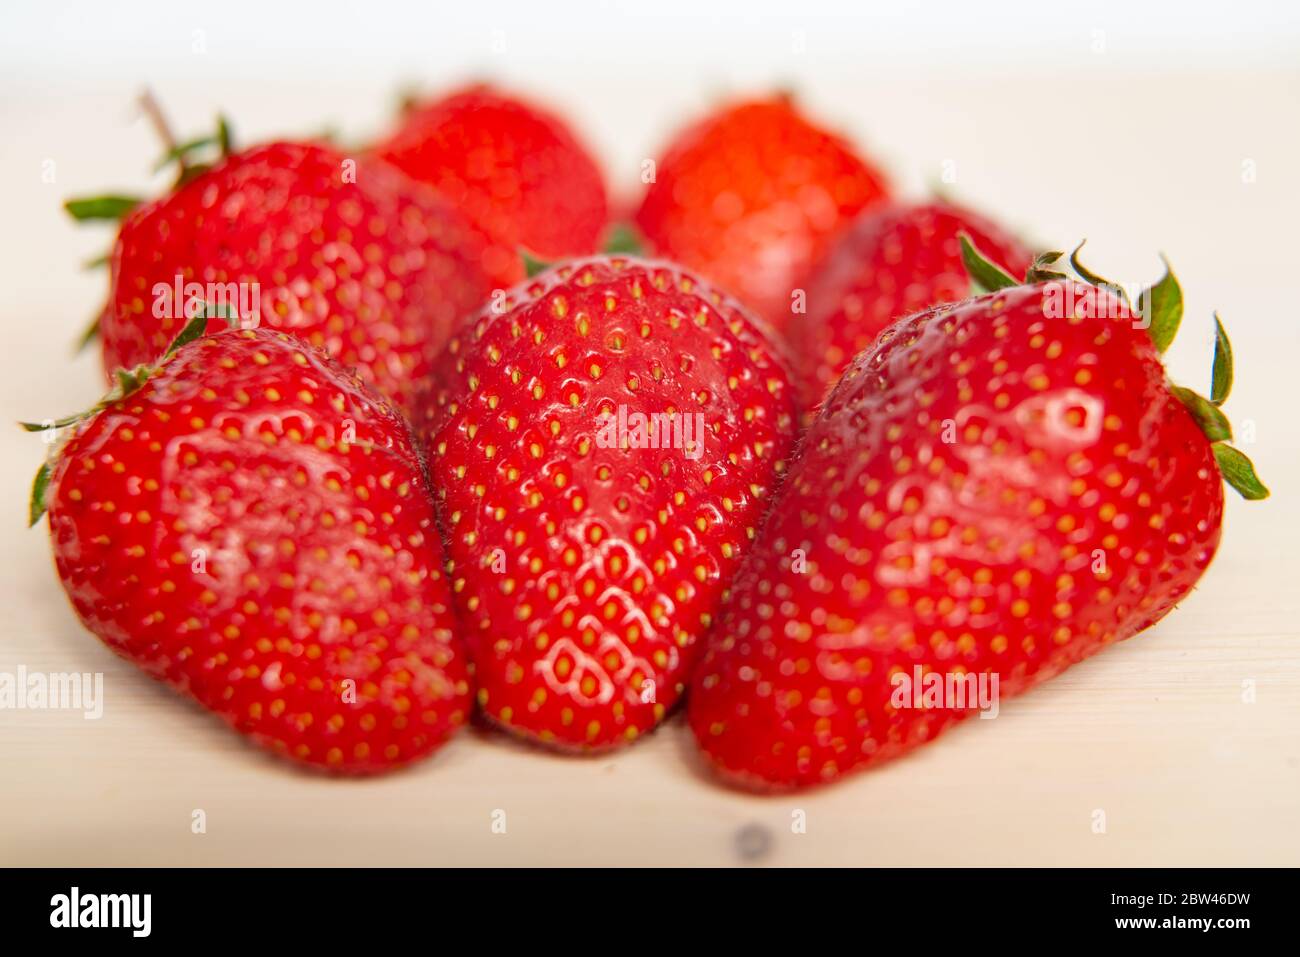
[(806, 438)]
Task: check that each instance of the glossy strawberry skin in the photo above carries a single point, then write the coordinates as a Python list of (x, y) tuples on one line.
[(254, 528), (1077, 504), (516, 170), (896, 259), (372, 267), (582, 570), (751, 196)]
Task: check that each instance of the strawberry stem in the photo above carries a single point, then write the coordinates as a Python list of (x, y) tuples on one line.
[(181, 153), (153, 112)]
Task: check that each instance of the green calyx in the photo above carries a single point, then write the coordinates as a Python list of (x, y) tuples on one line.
[(184, 155), (126, 381), (532, 264), (114, 207), (36, 504), (88, 335), (1163, 308), (623, 240), (1040, 270), (1221, 381)]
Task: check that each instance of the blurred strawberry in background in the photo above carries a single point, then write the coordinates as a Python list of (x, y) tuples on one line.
[(751, 195), (350, 255), (516, 170), (896, 259)]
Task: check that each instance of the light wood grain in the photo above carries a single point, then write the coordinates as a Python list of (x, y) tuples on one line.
[(1153, 732)]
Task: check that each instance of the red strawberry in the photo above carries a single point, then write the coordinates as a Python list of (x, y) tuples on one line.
[(588, 561), (1000, 487), (350, 255), (896, 259), (751, 195), (248, 523), (516, 170)]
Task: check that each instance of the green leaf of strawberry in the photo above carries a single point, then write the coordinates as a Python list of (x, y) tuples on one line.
[(1213, 423), (1040, 271), (1222, 380), (1164, 302), (1093, 278), (1239, 472), (36, 504), (182, 151), (112, 207), (534, 265), (987, 275), (623, 239), (88, 334), (195, 327)]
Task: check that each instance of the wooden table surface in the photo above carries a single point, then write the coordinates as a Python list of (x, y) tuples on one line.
[(1156, 733)]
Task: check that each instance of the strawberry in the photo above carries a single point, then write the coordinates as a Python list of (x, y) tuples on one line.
[(750, 197), (350, 255), (896, 259), (250, 524), (517, 171), (999, 487), (590, 553)]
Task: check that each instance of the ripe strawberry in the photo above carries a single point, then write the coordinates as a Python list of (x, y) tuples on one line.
[(517, 171), (250, 524), (588, 557), (1003, 486), (751, 195), (896, 259), (352, 256)]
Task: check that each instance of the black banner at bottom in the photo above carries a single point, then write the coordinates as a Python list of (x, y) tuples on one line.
[(362, 907)]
